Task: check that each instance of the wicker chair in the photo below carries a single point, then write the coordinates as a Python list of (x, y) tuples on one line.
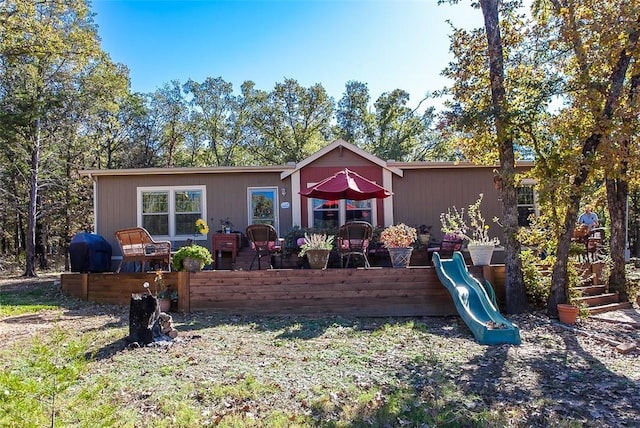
[(137, 245), (353, 239), (263, 238)]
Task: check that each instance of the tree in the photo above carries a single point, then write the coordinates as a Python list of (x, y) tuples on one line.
[(395, 132), (45, 48), (220, 118), (168, 112), (291, 122), (600, 44), (475, 110), (352, 116)]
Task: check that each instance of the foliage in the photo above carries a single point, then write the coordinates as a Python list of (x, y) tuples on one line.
[(537, 278), (40, 378), (424, 229), (26, 302), (292, 122), (472, 227), (352, 115), (397, 131), (52, 77), (316, 241), (399, 235), (193, 251)]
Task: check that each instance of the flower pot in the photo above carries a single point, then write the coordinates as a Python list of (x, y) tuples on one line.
[(481, 253), (400, 256), (165, 304), (318, 258), (567, 313), (424, 238), (192, 265)]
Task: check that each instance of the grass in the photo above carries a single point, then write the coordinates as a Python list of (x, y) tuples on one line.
[(274, 372), (12, 304)]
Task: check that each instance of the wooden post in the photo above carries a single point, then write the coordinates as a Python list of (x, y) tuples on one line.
[(183, 286)]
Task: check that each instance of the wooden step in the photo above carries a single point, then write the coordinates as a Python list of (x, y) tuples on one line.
[(593, 310), (591, 290), (599, 299)]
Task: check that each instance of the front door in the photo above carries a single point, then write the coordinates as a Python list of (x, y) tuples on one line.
[(263, 204)]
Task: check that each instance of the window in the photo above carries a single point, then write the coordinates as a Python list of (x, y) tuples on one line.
[(331, 214), (171, 212), (326, 214), (526, 203), (358, 210)]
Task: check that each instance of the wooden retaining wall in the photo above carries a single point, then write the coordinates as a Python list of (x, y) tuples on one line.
[(377, 292)]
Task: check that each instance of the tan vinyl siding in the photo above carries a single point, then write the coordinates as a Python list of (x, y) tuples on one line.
[(226, 196), (422, 194)]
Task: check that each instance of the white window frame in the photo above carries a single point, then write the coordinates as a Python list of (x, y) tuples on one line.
[(172, 210), (342, 210), (276, 204), (532, 183)]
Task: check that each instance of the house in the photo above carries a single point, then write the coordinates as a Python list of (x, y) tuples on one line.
[(168, 201)]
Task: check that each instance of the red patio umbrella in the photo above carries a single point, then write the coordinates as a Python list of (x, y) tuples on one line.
[(346, 184)]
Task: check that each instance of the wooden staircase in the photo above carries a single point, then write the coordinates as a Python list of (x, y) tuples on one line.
[(599, 300), (595, 295)]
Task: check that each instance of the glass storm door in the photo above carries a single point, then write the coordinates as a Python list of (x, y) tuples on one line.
[(263, 203)]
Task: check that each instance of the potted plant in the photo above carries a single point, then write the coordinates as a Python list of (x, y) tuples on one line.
[(424, 234), (569, 312), (473, 228), (397, 239), (191, 258), (165, 294), (225, 225), (317, 247), (201, 227)]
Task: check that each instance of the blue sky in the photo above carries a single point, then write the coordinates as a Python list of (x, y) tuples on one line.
[(387, 44)]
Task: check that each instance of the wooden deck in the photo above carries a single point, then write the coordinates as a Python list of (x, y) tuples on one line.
[(376, 292)]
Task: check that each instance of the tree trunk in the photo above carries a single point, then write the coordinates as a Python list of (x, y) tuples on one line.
[(617, 192), (516, 299), (560, 275), (30, 269), (143, 314), (617, 201), (634, 224)]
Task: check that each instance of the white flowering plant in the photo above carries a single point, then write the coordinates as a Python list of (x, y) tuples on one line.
[(472, 226), (316, 241), (398, 236)]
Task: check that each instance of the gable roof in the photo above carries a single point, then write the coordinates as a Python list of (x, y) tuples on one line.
[(341, 144)]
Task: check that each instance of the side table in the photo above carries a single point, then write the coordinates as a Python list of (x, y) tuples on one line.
[(225, 242)]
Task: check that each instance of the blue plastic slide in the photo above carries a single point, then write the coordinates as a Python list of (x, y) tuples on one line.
[(473, 303)]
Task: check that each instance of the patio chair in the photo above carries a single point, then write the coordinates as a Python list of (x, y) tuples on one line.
[(595, 244), (353, 239), (137, 245), (263, 238), (450, 243)]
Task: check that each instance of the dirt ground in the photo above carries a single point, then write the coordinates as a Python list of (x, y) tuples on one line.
[(610, 344)]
